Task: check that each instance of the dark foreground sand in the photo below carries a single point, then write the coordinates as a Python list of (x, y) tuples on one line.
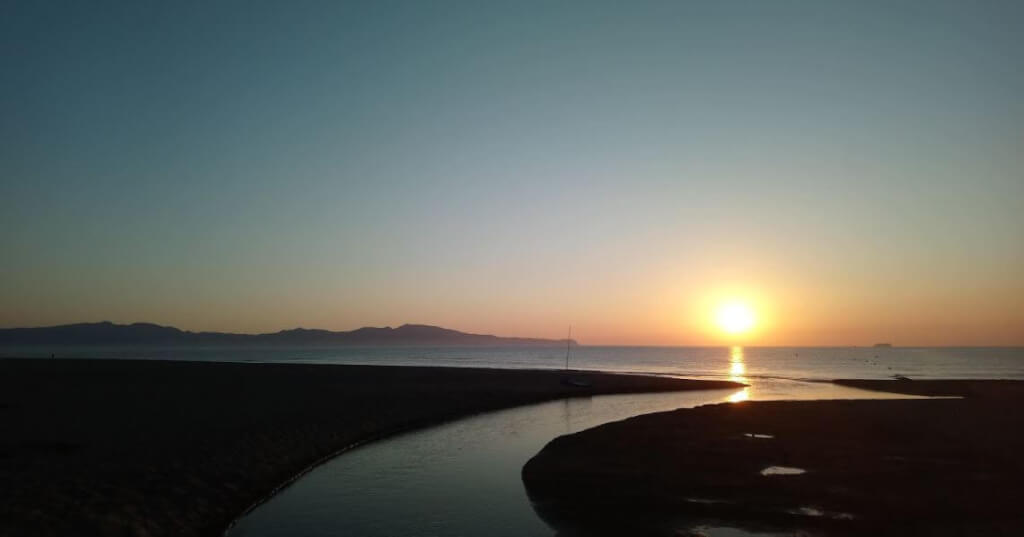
[(146, 448), (897, 467)]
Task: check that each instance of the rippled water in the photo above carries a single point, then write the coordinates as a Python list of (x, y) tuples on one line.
[(463, 478)]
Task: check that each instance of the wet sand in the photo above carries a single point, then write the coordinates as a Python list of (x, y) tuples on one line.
[(151, 448), (895, 467)]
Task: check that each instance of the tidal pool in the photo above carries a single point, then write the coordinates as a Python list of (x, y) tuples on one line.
[(783, 470), (462, 477)]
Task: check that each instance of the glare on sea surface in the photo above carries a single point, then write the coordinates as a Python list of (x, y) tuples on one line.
[(739, 396), (737, 370)]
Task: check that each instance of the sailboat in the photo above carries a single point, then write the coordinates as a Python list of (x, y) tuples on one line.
[(569, 380)]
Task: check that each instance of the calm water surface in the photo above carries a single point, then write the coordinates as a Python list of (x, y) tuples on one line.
[(463, 478), (698, 362)]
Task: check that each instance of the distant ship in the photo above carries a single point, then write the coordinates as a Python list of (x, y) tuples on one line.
[(883, 345)]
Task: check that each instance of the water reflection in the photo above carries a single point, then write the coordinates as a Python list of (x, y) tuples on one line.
[(575, 410), (737, 373), (782, 470), (737, 368), (452, 480), (741, 395), (465, 477)]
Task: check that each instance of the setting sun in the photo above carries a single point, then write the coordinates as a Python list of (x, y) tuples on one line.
[(735, 318)]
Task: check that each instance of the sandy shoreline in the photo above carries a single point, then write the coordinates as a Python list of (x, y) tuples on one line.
[(150, 448), (872, 467)]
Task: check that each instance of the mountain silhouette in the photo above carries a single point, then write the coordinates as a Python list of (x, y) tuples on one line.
[(108, 333)]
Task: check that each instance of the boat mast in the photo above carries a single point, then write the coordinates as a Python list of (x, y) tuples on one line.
[(568, 344)]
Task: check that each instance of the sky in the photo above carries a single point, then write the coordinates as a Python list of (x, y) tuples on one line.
[(853, 171)]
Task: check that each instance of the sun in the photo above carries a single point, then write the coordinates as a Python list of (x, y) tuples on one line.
[(735, 318)]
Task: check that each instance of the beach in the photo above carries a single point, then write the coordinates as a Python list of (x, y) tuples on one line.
[(511, 269), (948, 466), (149, 448)]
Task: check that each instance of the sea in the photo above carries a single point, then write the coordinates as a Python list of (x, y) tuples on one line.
[(795, 363)]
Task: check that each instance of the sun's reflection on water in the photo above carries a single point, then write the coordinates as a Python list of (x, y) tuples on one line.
[(737, 372)]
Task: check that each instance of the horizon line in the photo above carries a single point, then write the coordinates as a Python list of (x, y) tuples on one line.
[(576, 341)]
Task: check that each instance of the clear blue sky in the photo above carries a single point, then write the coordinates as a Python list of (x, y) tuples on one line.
[(855, 168)]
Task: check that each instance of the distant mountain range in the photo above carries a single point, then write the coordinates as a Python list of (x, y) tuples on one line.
[(107, 333)]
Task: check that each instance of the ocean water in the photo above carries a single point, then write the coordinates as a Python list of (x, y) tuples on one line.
[(798, 363)]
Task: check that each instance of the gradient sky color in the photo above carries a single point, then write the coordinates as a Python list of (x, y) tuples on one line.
[(854, 169)]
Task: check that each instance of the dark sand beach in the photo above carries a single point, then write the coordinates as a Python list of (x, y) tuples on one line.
[(896, 467), (150, 448)]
